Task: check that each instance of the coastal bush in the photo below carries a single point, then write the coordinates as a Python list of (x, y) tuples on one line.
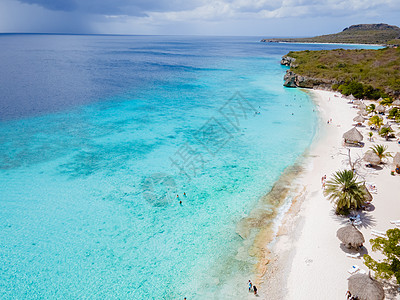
[(389, 266), (359, 90), (365, 73), (394, 114), (344, 190)]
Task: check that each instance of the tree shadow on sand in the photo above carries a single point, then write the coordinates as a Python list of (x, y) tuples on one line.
[(367, 220)]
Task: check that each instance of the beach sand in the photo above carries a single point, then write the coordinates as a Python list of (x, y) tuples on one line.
[(306, 259)]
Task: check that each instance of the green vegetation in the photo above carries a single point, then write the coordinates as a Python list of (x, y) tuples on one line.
[(371, 108), (385, 132), (386, 102), (370, 134), (344, 190), (390, 248), (365, 73), (375, 121), (394, 114), (380, 150), (355, 34)]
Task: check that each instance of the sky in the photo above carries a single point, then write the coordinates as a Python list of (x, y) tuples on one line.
[(267, 18)]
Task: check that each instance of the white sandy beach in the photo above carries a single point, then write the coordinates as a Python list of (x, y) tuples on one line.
[(308, 261)]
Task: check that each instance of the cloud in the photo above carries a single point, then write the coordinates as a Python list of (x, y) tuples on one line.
[(197, 16), (115, 7)]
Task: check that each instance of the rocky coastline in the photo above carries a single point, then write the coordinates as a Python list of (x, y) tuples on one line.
[(294, 80)]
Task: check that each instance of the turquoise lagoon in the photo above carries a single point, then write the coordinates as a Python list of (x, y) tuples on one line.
[(99, 134)]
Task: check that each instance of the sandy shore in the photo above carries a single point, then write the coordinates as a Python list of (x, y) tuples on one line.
[(307, 260)]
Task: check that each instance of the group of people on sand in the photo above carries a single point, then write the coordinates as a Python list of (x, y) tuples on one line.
[(252, 288)]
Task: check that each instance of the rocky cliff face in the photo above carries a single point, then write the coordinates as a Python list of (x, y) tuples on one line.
[(380, 26), (288, 61), (294, 80)]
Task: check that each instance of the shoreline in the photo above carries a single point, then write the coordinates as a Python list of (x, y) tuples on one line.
[(305, 255), (317, 43)]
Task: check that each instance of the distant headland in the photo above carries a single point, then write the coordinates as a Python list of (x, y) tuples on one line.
[(382, 34)]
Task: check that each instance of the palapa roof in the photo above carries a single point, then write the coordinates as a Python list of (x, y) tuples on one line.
[(353, 135), (358, 119), (351, 236), (365, 287), (396, 159), (380, 108), (362, 112), (372, 157), (396, 102), (351, 97), (362, 106)]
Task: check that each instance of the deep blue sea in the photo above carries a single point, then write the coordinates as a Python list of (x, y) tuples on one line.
[(101, 136)]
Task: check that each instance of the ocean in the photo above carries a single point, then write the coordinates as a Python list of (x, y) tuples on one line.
[(126, 162)]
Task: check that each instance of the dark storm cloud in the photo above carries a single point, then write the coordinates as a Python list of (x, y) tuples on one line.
[(115, 7)]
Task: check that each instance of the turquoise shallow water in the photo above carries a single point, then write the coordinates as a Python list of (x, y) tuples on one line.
[(89, 176)]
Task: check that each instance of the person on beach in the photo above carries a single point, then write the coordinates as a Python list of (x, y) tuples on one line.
[(180, 202), (250, 285), (348, 295), (255, 289), (184, 194)]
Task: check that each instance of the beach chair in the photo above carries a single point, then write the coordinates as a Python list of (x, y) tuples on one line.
[(354, 269), (378, 233), (357, 255)]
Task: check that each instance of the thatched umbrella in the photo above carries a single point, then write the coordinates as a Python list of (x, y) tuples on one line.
[(350, 236), (359, 119), (351, 97), (353, 135), (357, 102), (380, 108), (380, 99), (396, 160), (362, 106), (362, 112), (372, 157), (364, 287), (396, 103)]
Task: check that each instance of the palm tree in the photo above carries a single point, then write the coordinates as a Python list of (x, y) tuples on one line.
[(380, 150), (385, 131), (344, 190), (386, 102), (376, 121), (370, 135), (370, 108)]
